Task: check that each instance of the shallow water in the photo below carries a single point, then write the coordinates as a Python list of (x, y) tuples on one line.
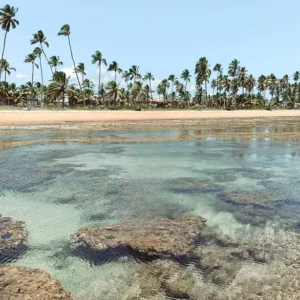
[(57, 189)]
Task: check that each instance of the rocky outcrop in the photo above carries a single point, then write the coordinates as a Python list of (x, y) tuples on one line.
[(259, 199), (266, 269), (163, 280), (259, 207), (12, 238), (19, 283), (152, 238)]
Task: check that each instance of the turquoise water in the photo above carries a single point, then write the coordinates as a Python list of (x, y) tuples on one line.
[(57, 189)]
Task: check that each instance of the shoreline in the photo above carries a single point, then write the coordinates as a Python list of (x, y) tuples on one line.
[(10, 117)]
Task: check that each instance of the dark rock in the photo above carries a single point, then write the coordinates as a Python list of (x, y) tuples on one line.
[(164, 279), (259, 207), (260, 200), (12, 238), (20, 283), (150, 238)]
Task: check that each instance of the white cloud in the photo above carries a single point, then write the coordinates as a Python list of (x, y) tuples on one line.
[(191, 88), (21, 76), (69, 72)]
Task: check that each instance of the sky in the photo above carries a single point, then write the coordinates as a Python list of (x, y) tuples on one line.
[(161, 36)]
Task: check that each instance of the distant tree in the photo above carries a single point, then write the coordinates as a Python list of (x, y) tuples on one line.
[(186, 76), (97, 58), (7, 22), (40, 38), (30, 58), (66, 31), (54, 62), (114, 67)]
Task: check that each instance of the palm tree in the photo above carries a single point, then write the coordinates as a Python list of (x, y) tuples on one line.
[(262, 85), (88, 88), (233, 68), (97, 58), (234, 88), (250, 84), (139, 92), (54, 62), (40, 38), (159, 90), (214, 85), (242, 76), (233, 72), (59, 87), (81, 70), (218, 68), (226, 84), (126, 77), (186, 76), (164, 85), (30, 58), (66, 31), (38, 52), (202, 72), (172, 78), (113, 92), (4, 64), (114, 67), (7, 21), (272, 84), (150, 77), (134, 73), (296, 77)]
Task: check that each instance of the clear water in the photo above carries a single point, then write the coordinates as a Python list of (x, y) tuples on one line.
[(57, 189)]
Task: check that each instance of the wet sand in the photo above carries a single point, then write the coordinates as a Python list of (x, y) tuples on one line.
[(46, 117)]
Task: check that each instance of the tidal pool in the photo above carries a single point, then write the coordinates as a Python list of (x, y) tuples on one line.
[(58, 188)]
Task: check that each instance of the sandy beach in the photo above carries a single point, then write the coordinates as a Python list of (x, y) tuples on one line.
[(47, 116)]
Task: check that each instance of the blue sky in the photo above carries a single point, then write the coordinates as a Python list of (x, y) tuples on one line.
[(161, 36)]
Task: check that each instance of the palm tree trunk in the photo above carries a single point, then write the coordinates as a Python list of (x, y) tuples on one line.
[(72, 56), (32, 74), (150, 89), (206, 89), (99, 80), (115, 76), (63, 94), (42, 78), (46, 57), (4, 45), (5, 85)]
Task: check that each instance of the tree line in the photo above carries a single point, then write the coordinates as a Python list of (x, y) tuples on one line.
[(231, 89)]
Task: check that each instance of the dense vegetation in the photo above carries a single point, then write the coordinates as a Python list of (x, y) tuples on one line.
[(232, 89)]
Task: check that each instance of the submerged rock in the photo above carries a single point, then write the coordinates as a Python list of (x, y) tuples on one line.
[(20, 283), (12, 238), (261, 200), (162, 279), (193, 186), (159, 237), (259, 207)]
